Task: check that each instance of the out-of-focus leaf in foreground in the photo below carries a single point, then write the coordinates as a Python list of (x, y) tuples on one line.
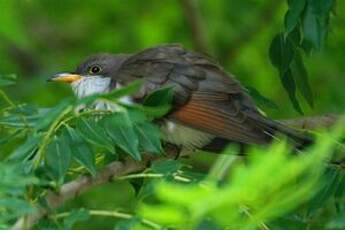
[(271, 185)]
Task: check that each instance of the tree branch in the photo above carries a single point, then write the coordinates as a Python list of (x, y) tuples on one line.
[(117, 169), (74, 188), (312, 123), (193, 17)]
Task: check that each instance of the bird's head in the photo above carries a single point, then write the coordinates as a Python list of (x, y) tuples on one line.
[(94, 75)]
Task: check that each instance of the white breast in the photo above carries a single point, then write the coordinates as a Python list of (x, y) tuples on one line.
[(91, 85), (184, 136), (94, 85)]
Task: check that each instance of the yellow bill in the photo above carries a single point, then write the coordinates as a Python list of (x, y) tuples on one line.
[(65, 77)]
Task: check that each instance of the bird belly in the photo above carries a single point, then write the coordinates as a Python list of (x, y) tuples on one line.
[(184, 136)]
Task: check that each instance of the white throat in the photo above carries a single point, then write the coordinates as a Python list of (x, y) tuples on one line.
[(97, 84), (91, 85)]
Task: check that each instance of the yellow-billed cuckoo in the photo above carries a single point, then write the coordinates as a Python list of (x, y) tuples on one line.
[(210, 108)]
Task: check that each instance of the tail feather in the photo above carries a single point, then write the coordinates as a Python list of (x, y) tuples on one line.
[(272, 129)]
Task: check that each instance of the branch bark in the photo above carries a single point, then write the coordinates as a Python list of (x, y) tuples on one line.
[(193, 17), (116, 169), (312, 123), (72, 189)]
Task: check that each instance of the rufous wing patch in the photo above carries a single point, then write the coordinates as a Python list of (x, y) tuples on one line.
[(218, 114)]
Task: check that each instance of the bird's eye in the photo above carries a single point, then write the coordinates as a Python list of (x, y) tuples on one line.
[(95, 69)]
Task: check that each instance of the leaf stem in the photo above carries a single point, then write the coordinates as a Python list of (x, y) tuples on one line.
[(141, 175), (13, 105), (48, 135), (7, 99), (153, 175), (114, 214), (91, 112)]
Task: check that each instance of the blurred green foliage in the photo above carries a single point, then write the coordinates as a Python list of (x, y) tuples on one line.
[(249, 196), (39, 38)]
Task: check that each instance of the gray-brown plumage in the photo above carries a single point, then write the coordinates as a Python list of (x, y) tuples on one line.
[(206, 98)]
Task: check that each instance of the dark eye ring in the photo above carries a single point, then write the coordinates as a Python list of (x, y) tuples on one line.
[(95, 69)]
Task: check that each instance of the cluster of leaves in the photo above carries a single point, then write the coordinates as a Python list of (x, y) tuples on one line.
[(306, 28), (251, 196), (59, 135), (59, 143), (13, 185)]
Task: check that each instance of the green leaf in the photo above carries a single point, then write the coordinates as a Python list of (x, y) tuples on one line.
[(19, 120), (94, 134), (160, 97), (147, 189), (332, 181), (152, 111), (166, 166), (58, 158), (25, 150), (74, 217), (149, 137), (312, 28), (10, 136), (260, 99), (53, 114), (281, 53), (7, 79), (207, 224), (80, 150), (321, 7), (120, 128), (292, 17), (129, 224), (290, 86), (23, 116), (17, 207), (337, 222), (131, 88), (301, 78)]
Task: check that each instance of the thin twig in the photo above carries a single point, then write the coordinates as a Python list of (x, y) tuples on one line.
[(312, 123), (193, 17), (74, 188), (50, 132), (114, 214)]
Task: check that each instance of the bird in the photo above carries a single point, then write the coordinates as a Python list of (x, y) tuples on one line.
[(210, 108)]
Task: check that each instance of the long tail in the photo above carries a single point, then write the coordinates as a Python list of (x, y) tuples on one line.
[(272, 129)]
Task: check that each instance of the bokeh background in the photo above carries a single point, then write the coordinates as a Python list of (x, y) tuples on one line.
[(40, 37)]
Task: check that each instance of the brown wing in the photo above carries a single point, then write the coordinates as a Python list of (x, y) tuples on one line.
[(205, 97)]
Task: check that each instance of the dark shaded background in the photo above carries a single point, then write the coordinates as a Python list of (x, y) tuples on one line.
[(41, 37)]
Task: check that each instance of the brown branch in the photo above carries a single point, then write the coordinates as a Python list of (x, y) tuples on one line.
[(74, 188), (312, 123), (116, 169), (193, 17)]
